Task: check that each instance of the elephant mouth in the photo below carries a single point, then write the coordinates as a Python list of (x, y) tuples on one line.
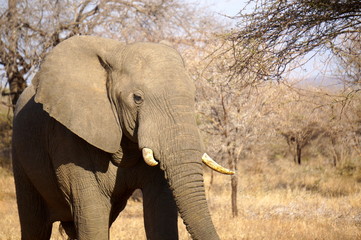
[(149, 159)]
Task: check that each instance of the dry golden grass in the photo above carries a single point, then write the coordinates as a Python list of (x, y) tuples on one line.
[(276, 201)]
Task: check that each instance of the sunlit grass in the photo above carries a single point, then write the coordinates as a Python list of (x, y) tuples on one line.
[(276, 200)]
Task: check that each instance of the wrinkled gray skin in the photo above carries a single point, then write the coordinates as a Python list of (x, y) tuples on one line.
[(78, 134)]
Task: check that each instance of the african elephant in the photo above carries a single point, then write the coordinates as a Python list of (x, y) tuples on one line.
[(95, 110)]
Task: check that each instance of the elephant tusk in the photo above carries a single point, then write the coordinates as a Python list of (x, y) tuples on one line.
[(148, 157), (215, 166)]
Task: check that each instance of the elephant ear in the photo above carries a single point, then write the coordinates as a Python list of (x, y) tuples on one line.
[(71, 85)]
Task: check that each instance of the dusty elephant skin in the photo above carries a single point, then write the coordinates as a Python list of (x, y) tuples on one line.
[(78, 136)]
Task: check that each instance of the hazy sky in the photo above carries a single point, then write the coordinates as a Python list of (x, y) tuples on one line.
[(227, 7)]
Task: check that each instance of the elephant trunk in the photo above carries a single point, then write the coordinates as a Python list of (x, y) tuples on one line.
[(183, 169)]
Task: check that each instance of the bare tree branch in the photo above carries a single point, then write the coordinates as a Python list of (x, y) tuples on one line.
[(279, 32)]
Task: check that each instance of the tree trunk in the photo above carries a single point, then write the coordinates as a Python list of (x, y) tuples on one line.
[(234, 182), (298, 154), (336, 154), (234, 186), (17, 83)]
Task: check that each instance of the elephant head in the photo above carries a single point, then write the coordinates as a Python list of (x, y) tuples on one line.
[(104, 90)]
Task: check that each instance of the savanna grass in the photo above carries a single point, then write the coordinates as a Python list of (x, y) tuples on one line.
[(276, 200)]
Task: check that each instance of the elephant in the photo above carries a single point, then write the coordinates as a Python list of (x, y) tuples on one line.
[(101, 119)]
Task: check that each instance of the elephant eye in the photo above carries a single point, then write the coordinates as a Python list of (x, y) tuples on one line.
[(138, 99)]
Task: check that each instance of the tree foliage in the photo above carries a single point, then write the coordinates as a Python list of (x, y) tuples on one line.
[(349, 61), (280, 31)]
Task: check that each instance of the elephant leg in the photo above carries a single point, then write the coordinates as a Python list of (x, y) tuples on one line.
[(91, 219), (160, 210), (91, 209), (33, 213)]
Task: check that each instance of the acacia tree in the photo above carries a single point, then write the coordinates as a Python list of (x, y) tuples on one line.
[(281, 31), (29, 29), (300, 120), (326, 122)]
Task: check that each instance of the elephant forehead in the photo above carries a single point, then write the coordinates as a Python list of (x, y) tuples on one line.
[(155, 66), (152, 64), (140, 55), (172, 79)]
